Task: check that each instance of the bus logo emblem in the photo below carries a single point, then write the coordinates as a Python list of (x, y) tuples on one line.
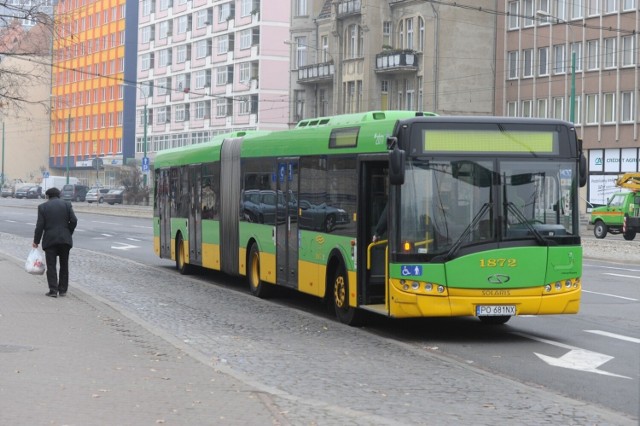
[(498, 279)]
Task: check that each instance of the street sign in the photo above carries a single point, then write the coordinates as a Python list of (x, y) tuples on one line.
[(45, 174), (145, 164)]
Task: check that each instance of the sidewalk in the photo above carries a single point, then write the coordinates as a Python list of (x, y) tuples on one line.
[(76, 361)]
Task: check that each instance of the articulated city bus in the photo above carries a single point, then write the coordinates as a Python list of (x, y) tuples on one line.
[(481, 213)]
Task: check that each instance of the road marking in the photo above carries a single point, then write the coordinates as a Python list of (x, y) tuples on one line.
[(143, 227), (621, 275), (124, 246), (612, 267), (610, 295), (105, 223), (133, 239), (11, 221), (576, 359), (106, 235), (615, 336)]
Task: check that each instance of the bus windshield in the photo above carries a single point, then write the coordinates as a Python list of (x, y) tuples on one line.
[(452, 203)]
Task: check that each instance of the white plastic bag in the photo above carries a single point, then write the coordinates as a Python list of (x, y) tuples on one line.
[(35, 264)]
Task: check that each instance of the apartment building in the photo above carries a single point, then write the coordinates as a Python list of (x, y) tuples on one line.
[(210, 67), (360, 55), (92, 134), (546, 48)]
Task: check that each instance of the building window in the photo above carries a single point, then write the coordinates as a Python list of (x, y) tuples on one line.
[(182, 82), (147, 34), (527, 66), (626, 107), (221, 76), (244, 70), (610, 6), (354, 41), (593, 8), (526, 109), (163, 86), (181, 113), (559, 59), (245, 105), (223, 44), (561, 9), (164, 57), (610, 52), (513, 16), (202, 110), (245, 39), (421, 34), (203, 47), (576, 49), (164, 29), (512, 109), (225, 12), (513, 64), (410, 94), (182, 24), (301, 51), (182, 54), (301, 8), (577, 9), (386, 34), (592, 55), (246, 7), (592, 109), (542, 108), (528, 12), (558, 108), (221, 107), (609, 108), (420, 100), (146, 61), (201, 79), (324, 46), (298, 104), (202, 18), (543, 61), (577, 111), (409, 26), (628, 4), (628, 51)]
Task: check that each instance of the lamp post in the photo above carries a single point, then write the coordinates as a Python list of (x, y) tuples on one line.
[(572, 100), (145, 159), (68, 145)]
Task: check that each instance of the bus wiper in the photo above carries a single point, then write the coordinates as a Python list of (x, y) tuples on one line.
[(474, 222), (523, 220)]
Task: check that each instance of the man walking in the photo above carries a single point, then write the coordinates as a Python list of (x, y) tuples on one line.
[(58, 221)]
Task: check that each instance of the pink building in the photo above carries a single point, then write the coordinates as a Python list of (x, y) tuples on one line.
[(206, 68)]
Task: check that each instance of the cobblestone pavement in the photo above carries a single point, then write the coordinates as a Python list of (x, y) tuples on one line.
[(317, 371)]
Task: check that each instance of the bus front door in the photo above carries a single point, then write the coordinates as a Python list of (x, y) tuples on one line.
[(286, 222), (372, 278)]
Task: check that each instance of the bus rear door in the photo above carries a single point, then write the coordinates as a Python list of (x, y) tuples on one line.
[(286, 222)]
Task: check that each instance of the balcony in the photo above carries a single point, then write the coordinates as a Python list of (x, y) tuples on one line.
[(316, 73), (347, 8), (397, 62)]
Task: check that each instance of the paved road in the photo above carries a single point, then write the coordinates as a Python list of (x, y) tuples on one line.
[(315, 370)]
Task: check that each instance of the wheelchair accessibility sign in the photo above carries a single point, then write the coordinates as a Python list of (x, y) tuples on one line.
[(410, 270)]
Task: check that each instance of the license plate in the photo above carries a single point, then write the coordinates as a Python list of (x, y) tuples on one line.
[(495, 310)]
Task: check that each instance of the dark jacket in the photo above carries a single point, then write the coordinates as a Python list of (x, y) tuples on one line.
[(58, 221)]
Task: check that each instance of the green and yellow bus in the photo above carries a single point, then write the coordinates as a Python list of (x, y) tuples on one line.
[(481, 211)]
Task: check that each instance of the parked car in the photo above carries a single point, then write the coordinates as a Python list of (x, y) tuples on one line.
[(74, 192), (114, 196), (7, 191), (21, 192), (96, 195), (35, 192), (321, 217)]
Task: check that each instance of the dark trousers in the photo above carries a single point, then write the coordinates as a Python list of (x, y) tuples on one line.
[(51, 254)]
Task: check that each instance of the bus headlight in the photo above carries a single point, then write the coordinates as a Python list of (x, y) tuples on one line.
[(415, 285), (428, 287), (558, 285), (547, 288), (440, 289)]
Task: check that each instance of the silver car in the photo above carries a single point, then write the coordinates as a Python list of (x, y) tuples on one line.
[(96, 195)]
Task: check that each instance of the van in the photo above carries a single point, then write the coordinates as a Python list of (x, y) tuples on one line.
[(74, 192)]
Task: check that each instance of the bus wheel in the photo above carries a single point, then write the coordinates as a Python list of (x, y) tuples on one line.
[(257, 287), (629, 235), (181, 249), (600, 229), (345, 313), (495, 320)]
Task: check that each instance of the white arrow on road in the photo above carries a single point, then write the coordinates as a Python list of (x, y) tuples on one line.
[(576, 358), (124, 246)]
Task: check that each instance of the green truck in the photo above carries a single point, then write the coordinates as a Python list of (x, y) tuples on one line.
[(621, 215)]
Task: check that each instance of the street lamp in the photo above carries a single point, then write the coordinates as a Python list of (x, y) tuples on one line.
[(572, 106)]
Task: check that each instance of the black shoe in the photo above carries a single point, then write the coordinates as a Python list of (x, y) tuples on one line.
[(52, 294), (62, 294)]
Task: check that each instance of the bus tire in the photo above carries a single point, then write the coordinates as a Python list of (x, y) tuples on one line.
[(257, 287), (340, 295), (181, 265), (499, 320), (600, 229)]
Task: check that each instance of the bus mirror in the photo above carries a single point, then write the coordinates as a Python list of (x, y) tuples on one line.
[(396, 166), (583, 170)]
